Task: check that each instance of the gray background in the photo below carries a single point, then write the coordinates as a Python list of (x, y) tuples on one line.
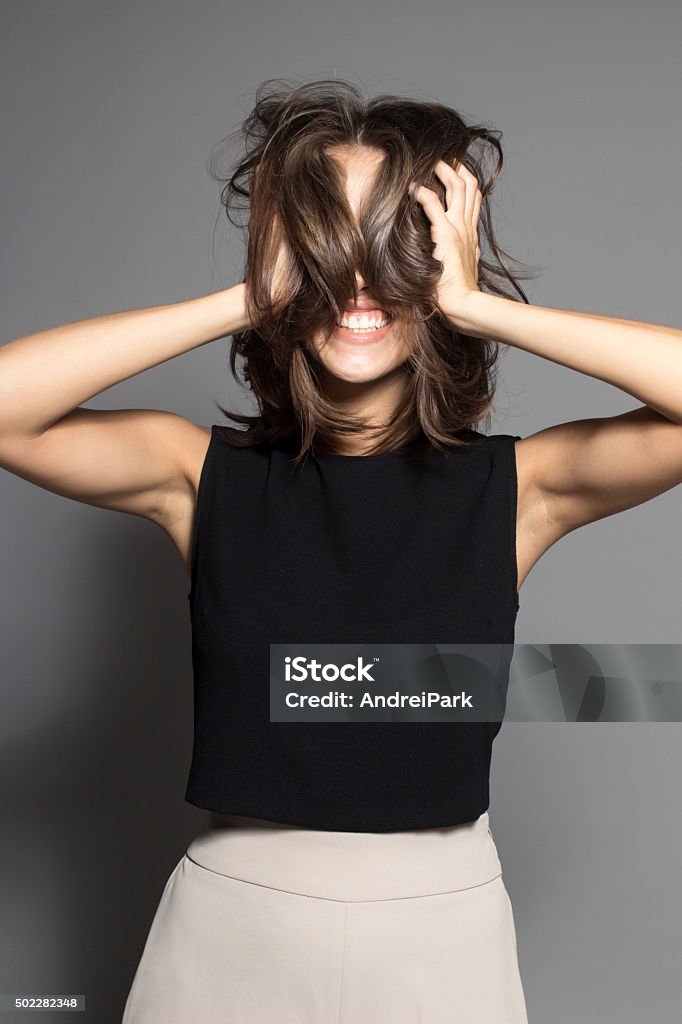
[(109, 112)]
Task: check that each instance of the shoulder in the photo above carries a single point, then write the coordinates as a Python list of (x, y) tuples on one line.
[(218, 437), (475, 440), (518, 456)]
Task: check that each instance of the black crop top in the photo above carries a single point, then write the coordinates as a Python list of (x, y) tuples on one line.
[(344, 550)]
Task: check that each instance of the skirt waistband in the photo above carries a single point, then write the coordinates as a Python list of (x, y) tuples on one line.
[(349, 866)]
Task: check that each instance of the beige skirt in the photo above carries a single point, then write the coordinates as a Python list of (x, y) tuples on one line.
[(264, 923)]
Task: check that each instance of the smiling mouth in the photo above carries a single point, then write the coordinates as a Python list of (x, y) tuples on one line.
[(365, 322)]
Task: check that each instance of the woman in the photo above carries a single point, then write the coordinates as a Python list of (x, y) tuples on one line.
[(350, 872)]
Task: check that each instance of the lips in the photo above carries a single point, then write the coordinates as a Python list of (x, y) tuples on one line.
[(359, 318), (360, 337)]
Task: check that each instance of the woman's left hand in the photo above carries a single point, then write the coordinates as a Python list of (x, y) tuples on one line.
[(454, 231)]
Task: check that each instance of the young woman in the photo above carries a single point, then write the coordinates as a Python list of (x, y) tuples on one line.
[(350, 872)]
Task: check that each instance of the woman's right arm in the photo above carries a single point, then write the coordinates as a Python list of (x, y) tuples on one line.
[(131, 460)]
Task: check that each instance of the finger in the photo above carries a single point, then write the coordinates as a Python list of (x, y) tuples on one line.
[(473, 191), (447, 176), (455, 189), (467, 175), (477, 210), (470, 185), (429, 202), (452, 182)]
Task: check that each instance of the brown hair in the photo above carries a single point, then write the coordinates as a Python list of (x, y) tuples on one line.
[(297, 200)]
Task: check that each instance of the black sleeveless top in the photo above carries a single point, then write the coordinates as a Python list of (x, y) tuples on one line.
[(344, 549)]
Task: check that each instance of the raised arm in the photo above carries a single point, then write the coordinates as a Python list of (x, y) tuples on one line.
[(131, 460), (577, 472), (587, 469)]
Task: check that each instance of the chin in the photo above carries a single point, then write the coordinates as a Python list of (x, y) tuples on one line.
[(358, 374), (360, 363)]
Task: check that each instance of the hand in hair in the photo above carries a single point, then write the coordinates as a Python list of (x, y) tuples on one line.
[(454, 230)]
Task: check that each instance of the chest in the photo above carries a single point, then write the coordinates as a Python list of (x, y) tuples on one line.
[(323, 559)]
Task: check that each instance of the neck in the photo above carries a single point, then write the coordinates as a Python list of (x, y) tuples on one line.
[(374, 400)]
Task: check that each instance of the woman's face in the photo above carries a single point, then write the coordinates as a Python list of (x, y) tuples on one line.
[(361, 352)]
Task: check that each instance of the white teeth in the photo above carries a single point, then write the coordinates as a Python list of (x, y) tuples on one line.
[(363, 322)]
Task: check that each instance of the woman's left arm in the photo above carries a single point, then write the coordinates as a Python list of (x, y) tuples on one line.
[(585, 469), (641, 358)]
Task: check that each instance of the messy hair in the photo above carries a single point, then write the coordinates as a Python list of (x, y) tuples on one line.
[(297, 206)]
